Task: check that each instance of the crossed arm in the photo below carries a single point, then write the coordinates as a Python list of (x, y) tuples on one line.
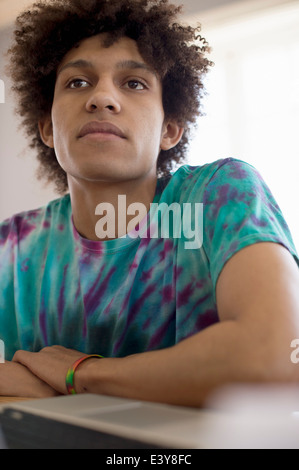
[(258, 305)]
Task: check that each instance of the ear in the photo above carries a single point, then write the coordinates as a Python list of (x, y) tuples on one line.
[(171, 135), (46, 131)]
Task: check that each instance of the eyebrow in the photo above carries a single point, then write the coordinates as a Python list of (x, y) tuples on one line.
[(124, 64)]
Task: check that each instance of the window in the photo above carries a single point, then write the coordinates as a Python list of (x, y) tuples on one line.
[(252, 107)]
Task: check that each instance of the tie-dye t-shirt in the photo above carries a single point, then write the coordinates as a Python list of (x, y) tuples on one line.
[(128, 295)]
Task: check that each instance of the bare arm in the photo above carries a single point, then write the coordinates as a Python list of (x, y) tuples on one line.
[(18, 381), (258, 304)]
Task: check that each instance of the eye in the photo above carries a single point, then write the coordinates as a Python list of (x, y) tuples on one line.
[(78, 83), (135, 85)]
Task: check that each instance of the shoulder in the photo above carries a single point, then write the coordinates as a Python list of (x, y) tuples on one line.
[(196, 181), (225, 168), (23, 224)]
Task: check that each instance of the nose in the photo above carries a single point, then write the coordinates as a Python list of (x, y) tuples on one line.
[(103, 97)]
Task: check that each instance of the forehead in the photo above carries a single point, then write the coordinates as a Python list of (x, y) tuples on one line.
[(93, 49)]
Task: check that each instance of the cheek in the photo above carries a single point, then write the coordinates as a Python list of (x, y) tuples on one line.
[(60, 132), (151, 126)]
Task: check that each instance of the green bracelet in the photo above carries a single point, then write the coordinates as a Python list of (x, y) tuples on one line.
[(69, 380)]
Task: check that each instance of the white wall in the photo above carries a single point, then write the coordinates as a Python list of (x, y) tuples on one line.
[(19, 189), (253, 103)]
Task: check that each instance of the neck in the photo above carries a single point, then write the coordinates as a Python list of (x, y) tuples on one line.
[(100, 209)]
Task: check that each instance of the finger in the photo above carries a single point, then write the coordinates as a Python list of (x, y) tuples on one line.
[(22, 356)]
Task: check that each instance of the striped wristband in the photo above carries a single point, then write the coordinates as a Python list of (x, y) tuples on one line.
[(69, 380)]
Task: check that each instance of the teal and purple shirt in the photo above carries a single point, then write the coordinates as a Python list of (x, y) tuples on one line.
[(129, 295)]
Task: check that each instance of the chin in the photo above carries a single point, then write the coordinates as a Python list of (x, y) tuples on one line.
[(112, 174), (110, 169)]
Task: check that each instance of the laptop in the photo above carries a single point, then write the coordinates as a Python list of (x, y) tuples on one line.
[(105, 422)]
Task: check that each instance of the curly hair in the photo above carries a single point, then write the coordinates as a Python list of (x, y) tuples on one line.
[(50, 28)]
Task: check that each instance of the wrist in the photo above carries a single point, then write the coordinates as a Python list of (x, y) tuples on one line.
[(88, 377), (70, 376)]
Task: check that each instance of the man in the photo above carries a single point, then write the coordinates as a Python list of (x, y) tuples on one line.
[(108, 91)]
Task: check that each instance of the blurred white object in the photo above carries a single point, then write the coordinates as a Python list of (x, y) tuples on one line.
[(255, 417), (2, 352)]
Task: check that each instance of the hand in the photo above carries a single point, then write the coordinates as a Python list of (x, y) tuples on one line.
[(50, 364), (17, 381)]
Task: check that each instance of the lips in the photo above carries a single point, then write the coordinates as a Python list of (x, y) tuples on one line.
[(97, 127)]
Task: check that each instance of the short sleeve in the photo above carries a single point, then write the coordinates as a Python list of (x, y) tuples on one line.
[(240, 210)]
